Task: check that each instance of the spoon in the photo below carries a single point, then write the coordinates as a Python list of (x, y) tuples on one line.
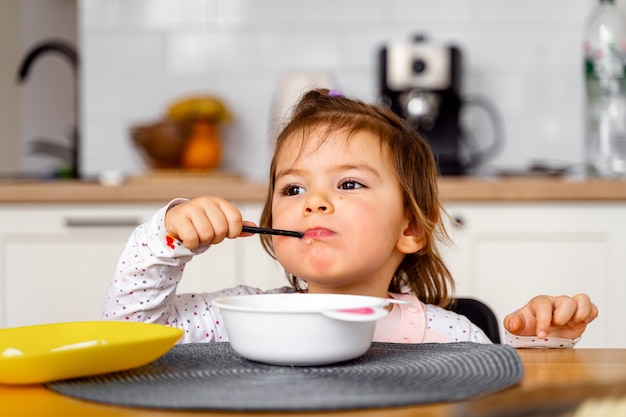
[(267, 231)]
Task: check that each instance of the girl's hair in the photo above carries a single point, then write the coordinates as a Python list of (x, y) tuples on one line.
[(423, 273)]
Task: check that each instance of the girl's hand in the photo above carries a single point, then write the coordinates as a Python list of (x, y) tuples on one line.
[(203, 221), (546, 316)]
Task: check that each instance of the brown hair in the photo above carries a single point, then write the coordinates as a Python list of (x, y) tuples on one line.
[(422, 273)]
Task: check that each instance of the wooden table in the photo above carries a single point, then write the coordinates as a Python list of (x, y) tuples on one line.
[(554, 379)]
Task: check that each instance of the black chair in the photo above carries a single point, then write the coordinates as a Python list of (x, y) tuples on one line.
[(480, 314)]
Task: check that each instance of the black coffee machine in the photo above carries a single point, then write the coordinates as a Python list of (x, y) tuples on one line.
[(420, 82)]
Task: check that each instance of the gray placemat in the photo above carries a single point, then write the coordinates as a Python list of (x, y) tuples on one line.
[(213, 377)]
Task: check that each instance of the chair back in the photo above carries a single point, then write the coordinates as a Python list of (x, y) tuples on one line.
[(480, 314)]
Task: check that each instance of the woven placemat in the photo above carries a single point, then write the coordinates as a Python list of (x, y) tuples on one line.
[(213, 377)]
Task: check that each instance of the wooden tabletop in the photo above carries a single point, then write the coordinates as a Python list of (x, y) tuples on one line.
[(555, 379), (160, 188)]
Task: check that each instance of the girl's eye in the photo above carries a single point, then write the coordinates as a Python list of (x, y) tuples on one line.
[(291, 189), (350, 185)]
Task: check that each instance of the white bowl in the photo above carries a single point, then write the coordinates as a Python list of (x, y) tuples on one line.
[(301, 329)]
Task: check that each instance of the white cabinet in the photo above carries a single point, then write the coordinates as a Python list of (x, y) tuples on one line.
[(506, 253), (57, 260)]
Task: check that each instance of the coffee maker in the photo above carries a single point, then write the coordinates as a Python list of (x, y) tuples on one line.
[(420, 82)]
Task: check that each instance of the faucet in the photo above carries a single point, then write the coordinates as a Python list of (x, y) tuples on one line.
[(45, 146)]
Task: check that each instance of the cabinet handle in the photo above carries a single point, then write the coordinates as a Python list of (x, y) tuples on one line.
[(101, 222)]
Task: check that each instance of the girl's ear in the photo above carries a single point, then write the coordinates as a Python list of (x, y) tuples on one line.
[(412, 239)]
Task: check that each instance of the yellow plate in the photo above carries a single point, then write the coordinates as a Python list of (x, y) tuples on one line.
[(42, 353)]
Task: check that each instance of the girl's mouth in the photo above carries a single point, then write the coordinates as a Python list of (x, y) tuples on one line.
[(318, 232)]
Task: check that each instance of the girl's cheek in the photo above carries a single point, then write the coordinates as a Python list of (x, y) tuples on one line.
[(283, 259), (280, 213), (286, 249), (279, 248)]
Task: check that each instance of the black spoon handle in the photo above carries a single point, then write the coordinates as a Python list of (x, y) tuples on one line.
[(266, 231)]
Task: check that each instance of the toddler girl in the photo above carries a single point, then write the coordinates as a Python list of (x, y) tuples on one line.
[(362, 187)]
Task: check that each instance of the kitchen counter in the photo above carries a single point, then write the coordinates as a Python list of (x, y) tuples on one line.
[(162, 188), (530, 189), (152, 188)]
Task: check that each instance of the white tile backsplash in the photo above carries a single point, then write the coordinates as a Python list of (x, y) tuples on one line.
[(537, 12), (170, 15), (199, 52), (424, 11), (344, 13), (141, 55), (118, 52), (247, 14), (286, 50), (101, 15)]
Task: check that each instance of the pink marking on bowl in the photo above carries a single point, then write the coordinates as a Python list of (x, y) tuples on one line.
[(360, 310)]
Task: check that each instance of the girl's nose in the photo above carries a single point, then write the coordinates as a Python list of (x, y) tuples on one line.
[(316, 203)]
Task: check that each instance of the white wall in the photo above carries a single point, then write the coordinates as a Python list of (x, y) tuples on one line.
[(140, 55)]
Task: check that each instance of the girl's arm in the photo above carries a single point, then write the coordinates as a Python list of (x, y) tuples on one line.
[(145, 281), (144, 285)]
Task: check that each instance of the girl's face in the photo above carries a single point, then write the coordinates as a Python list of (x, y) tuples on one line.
[(343, 194)]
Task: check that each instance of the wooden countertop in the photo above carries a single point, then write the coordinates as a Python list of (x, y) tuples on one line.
[(162, 188), (154, 188)]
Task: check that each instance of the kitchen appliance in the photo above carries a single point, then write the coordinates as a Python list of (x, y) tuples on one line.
[(420, 81), (290, 88)]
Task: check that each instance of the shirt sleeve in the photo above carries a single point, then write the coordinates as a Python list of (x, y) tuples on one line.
[(144, 285), (457, 328), (526, 342), (534, 342)]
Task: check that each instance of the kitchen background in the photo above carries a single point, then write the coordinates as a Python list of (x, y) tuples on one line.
[(139, 56)]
